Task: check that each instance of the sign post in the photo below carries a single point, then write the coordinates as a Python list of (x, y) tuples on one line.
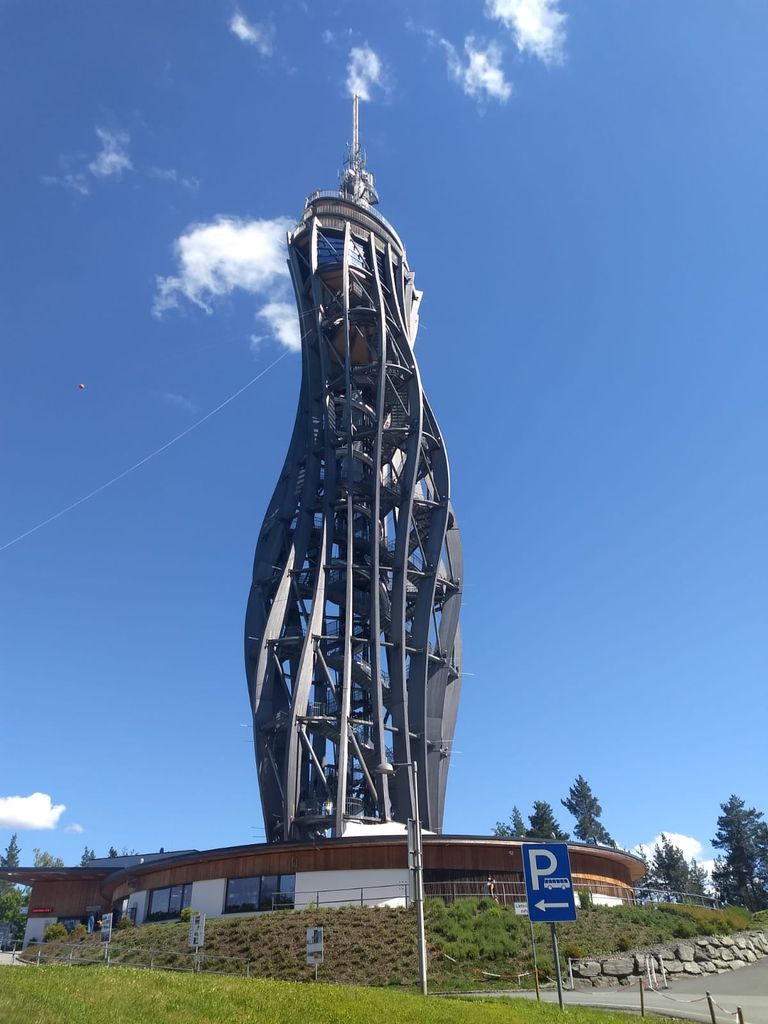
[(549, 887), (106, 933), (315, 947), (196, 936)]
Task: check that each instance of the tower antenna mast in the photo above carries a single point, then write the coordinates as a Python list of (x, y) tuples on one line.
[(356, 180)]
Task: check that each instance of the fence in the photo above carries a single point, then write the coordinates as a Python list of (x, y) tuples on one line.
[(508, 892)]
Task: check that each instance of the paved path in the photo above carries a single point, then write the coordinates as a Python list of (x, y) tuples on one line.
[(6, 959), (746, 987)]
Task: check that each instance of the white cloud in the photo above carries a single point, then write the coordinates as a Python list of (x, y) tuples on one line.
[(536, 25), (327, 36), (482, 75), (112, 158), (283, 322), (252, 33), (364, 70), (74, 827), (29, 812), (227, 254)]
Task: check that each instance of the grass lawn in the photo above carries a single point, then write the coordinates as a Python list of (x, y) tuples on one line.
[(85, 995)]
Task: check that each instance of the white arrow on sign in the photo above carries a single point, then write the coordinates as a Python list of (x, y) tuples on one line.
[(543, 905)]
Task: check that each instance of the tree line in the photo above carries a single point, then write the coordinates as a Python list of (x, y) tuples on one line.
[(740, 874)]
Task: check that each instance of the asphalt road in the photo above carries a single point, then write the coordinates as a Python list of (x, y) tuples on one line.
[(746, 987)]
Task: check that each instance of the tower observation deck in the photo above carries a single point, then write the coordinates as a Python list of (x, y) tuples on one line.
[(352, 650)]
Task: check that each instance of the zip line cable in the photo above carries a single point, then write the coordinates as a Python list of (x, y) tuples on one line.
[(147, 458)]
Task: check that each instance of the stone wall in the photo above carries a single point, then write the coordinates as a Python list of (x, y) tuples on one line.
[(708, 954)]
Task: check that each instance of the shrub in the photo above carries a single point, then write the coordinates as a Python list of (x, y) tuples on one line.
[(78, 932), (186, 913), (585, 899), (55, 933), (573, 951), (623, 942), (124, 923)]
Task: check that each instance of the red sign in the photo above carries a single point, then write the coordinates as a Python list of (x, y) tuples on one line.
[(41, 910)]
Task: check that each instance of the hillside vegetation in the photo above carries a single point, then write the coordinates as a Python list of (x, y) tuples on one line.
[(53, 995), (472, 943)]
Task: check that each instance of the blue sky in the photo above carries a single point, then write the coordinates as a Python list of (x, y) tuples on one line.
[(581, 190)]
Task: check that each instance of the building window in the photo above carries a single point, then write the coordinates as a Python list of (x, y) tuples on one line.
[(169, 902), (261, 892)]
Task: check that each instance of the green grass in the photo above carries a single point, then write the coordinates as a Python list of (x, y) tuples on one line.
[(57, 995), (473, 944)]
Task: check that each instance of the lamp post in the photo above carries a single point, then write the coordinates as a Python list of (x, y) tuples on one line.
[(415, 861)]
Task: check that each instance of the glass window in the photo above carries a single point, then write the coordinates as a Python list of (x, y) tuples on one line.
[(169, 902), (242, 895), (286, 894), (269, 886)]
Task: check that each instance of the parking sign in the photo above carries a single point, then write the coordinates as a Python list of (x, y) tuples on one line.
[(548, 882)]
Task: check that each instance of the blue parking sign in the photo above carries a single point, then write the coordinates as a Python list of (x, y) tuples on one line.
[(548, 882)]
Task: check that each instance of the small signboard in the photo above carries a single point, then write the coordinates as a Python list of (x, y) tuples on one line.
[(548, 882), (314, 945), (196, 935), (521, 908), (106, 928)]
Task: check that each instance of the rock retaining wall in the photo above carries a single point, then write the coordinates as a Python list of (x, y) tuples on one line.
[(708, 954)]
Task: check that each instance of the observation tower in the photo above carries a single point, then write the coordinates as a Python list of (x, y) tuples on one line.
[(352, 643)]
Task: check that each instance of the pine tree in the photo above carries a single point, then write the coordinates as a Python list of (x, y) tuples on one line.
[(741, 875), (512, 829), (543, 824), (112, 852), (669, 869), (698, 879), (586, 809), (43, 859), (87, 857), (12, 851), (518, 825)]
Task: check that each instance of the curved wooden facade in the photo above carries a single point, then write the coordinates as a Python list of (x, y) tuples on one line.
[(454, 866)]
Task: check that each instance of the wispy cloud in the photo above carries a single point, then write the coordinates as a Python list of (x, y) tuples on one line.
[(178, 401), (480, 74), (36, 811), (537, 26), (76, 182), (260, 36), (74, 827), (364, 71), (229, 254), (112, 159), (172, 176)]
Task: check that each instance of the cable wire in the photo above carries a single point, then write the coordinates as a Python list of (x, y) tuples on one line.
[(147, 458)]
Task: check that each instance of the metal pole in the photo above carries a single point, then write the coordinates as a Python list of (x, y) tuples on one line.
[(535, 962), (642, 998), (740, 1014), (556, 957), (418, 877)]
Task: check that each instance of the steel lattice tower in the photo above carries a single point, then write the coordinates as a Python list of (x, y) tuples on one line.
[(353, 652)]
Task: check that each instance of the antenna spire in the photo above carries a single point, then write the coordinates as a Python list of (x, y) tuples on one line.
[(356, 181)]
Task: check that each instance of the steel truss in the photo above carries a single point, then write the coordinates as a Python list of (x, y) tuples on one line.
[(353, 651)]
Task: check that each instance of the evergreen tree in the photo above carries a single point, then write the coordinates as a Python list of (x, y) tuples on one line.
[(12, 851), (518, 825), (512, 829), (112, 852), (87, 857), (698, 879), (741, 875), (586, 809), (543, 824), (13, 901), (43, 859), (669, 869)]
